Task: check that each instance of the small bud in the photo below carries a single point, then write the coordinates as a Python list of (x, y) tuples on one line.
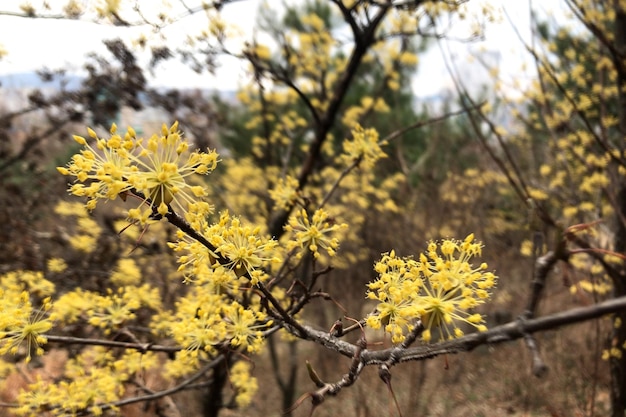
[(163, 209), (81, 140)]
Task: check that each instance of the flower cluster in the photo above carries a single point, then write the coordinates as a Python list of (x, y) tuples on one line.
[(22, 326), (204, 321), (244, 384), (112, 311), (109, 311), (87, 231), (243, 250), (158, 170), (313, 234), (198, 324), (285, 192), (246, 250), (364, 146), (94, 379), (440, 289)]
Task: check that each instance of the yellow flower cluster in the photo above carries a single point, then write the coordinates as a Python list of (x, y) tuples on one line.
[(243, 185), (68, 398), (364, 146), (22, 326), (313, 233), (243, 251), (285, 192), (210, 316), (126, 273), (356, 113), (108, 312), (158, 170), (246, 250), (94, 379), (87, 231), (113, 310), (244, 384), (440, 290), (204, 321)]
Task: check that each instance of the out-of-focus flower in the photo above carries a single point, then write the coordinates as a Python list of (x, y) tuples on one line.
[(20, 323)]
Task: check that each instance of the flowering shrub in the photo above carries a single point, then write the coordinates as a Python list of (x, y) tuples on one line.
[(233, 270)]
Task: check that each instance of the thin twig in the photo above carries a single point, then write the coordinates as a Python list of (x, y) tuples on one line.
[(142, 347)]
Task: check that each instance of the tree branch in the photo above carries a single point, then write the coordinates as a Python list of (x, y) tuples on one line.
[(505, 333), (142, 347)]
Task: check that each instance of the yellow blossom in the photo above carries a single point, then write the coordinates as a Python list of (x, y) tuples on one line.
[(285, 192), (440, 289), (363, 147), (243, 247), (313, 233), (244, 384), (159, 169), (20, 323), (56, 265)]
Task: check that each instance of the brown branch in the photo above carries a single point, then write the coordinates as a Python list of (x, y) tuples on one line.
[(363, 38), (514, 330), (433, 120), (543, 265), (508, 332), (505, 333), (186, 384), (142, 347)]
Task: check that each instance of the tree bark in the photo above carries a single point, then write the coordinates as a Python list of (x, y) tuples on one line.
[(213, 402)]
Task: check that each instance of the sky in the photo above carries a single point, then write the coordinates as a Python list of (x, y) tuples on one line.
[(33, 43)]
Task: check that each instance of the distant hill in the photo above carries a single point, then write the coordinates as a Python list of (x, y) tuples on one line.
[(30, 80)]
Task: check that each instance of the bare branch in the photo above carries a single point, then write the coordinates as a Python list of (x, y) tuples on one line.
[(505, 333), (142, 347)]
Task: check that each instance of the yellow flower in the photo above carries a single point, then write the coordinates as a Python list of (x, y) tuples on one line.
[(199, 325), (262, 52), (244, 384), (243, 247), (158, 170), (363, 147), (313, 233), (126, 273), (243, 327), (285, 192), (20, 323), (440, 289), (56, 265), (113, 310)]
